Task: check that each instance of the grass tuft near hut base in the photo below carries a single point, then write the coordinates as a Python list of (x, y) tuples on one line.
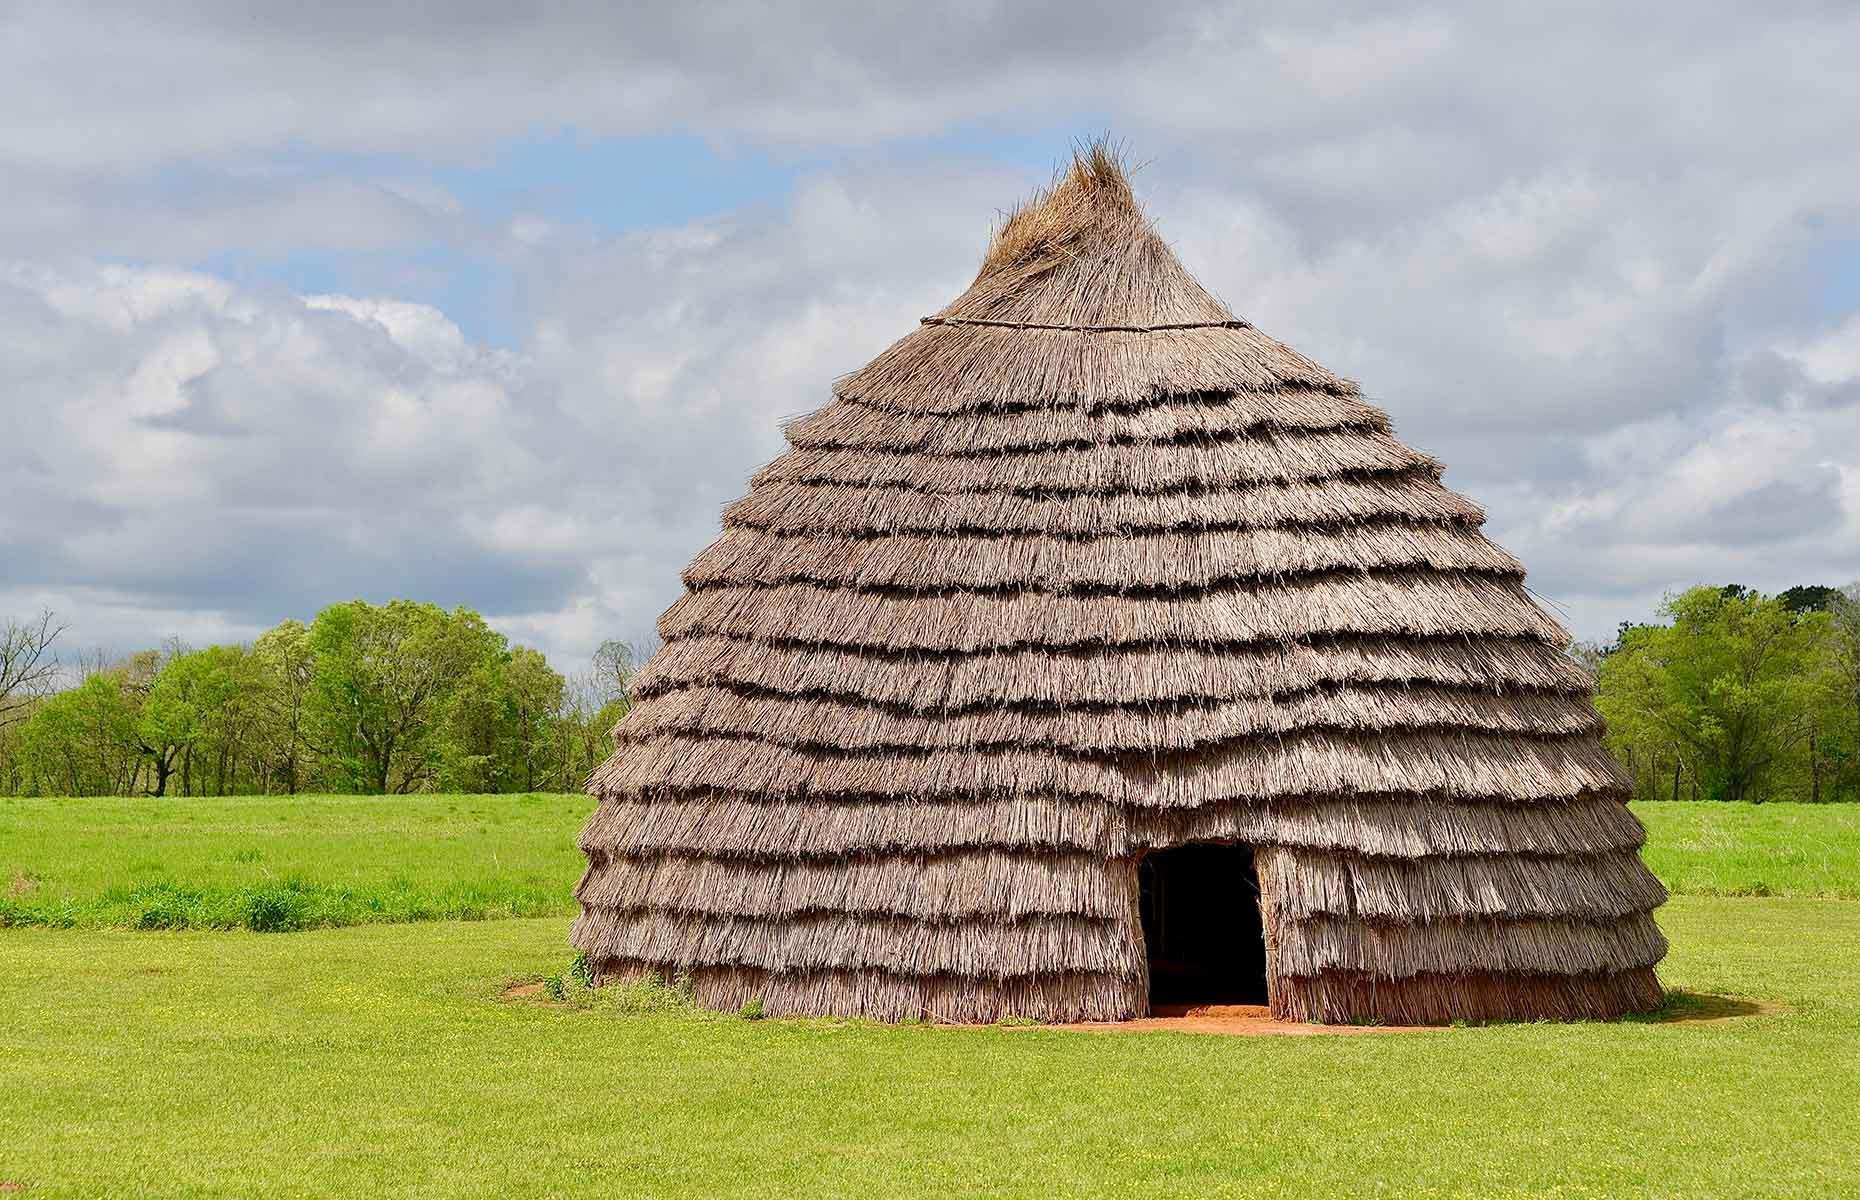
[(575, 988)]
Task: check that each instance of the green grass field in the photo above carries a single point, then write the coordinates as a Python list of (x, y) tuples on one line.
[(378, 1061), (385, 1060), (1755, 849), (286, 862)]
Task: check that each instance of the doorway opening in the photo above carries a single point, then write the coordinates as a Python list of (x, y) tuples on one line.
[(1202, 928)]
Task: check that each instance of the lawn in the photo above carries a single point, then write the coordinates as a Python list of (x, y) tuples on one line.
[(380, 1060), (1755, 849), (286, 862), (386, 1059)]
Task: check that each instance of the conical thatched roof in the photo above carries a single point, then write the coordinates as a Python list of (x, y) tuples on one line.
[(1084, 567)]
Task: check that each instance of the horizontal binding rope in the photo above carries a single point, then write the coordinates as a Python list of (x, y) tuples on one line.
[(1085, 328)]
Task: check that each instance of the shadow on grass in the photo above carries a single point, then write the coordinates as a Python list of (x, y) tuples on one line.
[(1683, 1006)]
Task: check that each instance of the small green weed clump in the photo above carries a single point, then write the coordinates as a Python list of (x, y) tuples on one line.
[(751, 1010), (162, 906), (263, 908), (648, 994), (574, 986), (275, 909)]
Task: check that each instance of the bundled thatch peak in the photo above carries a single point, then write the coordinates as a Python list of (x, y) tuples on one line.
[(1081, 569), (1080, 302), (1089, 208), (1081, 253)]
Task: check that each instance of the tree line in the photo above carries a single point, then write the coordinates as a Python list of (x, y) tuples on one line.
[(399, 697), (1737, 695), (1730, 695)]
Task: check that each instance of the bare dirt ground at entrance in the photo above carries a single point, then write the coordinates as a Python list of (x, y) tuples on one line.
[(1238, 1020), (1255, 1020)]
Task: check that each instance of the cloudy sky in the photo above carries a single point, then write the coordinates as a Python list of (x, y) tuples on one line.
[(498, 305)]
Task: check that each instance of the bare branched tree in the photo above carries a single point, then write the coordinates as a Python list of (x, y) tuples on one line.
[(28, 666), (613, 670)]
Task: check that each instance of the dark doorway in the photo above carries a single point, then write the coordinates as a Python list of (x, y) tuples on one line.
[(1201, 924)]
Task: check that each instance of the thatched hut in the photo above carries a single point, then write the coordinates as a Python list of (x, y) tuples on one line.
[(1092, 649)]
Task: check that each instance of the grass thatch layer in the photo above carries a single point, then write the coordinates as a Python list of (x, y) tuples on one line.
[(1038, 562), (1070, 944), (980, 950), (1143, 468), (878, 996), (1341, 998), (831, 724), (1311, 883), (1464, 946), (1138, 677), (728, 827), (977, 885), (962, 368), (1336, 999), (1399, 825), (1415, 494), (858, 425), (1394, 603), (1466, 765), (989, 885)]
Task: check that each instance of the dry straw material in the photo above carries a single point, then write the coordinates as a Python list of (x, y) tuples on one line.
[(1082, 568)]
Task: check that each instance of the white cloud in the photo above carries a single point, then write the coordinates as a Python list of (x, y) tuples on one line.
[(196, 447), (420, 329), (247, 455), (1644, 86), (1833, 357), (1767, 496)]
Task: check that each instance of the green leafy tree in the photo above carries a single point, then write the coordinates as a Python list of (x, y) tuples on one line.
[(182, 704), (473, 728), (532, 696), (211, 703), (382, 686), (81, 741), (289, 672), (502, 726), (1808, 598), (367, 698), (1837, 729), (12, 768), (1728, 687)]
